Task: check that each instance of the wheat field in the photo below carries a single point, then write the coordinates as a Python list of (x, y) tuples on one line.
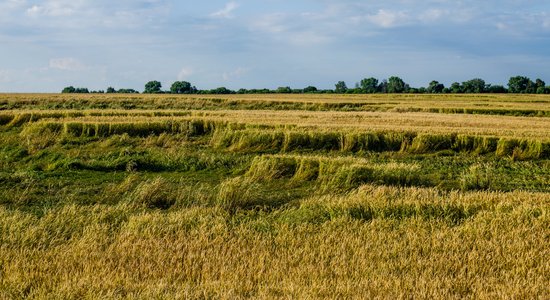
[(274, 196)]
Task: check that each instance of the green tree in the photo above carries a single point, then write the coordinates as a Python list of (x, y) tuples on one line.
[(341, 87), (456, 88), (474, 86), (69, 89), (396, 85), (369, 85), (182, 87), (519, 85), (284, 90), (153, 87), (310, 89), (127, 91), (221, 90), (496, 89), (540, 86), (111, 90), (435, 87), (383, 86), (82, 91)]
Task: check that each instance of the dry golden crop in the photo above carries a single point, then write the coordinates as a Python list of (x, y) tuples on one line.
[(274, 196)]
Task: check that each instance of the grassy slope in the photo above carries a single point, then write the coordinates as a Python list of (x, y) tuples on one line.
[(200, 214)]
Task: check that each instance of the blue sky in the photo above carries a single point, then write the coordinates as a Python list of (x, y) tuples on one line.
[(46, 45)]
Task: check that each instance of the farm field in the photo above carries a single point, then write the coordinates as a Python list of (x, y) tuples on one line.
[(274, 196)]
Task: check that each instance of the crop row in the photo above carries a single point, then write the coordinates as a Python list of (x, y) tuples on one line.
[(273, 139), (287, 140), (506, 106)]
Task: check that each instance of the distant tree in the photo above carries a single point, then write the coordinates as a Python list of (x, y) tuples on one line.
[(81, 91), (283, 90), (496, 89), (382, 87), (264, 91), (221, 91), (69, 89), (356, 90), (341, 87), (422, 90), (540, 86), (182, 87), (474, 86), (396, 85), (369, 85), (519, 85), (111, 90), (127, 91), (310, 89), (435, 87), (153, 87), (456, 88)]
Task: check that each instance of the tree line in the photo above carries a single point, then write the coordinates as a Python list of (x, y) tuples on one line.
[(394, 84)]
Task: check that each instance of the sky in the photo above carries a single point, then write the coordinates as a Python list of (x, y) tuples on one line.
[(49, 44)]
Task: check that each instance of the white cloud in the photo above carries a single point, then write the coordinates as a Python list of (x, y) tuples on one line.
[(388, 19), (545, 20), (303, 30), (226, 12), (501, 26), (66, 64), (185, 73), (432, 15), (53, 9), (272, 23), (308, 38), (4, 76), (237, 73)]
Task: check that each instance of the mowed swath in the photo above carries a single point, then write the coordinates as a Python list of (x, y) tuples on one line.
[(520, 127), (517, 105), (274, 196)]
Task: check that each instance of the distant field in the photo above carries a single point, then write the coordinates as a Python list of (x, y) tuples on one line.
[(274, 196)]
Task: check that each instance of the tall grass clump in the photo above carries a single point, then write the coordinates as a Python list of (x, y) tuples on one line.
[(332, 173), (6, 119), (335, 176), (368, 141), (522, 149), (271, 168), (155, 193), (425, 143), (237, 193), (248, 140), (307, 170), (20, 119), (479, 176), (475, 144), (140, 129), (38, 136), (308, 140)]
